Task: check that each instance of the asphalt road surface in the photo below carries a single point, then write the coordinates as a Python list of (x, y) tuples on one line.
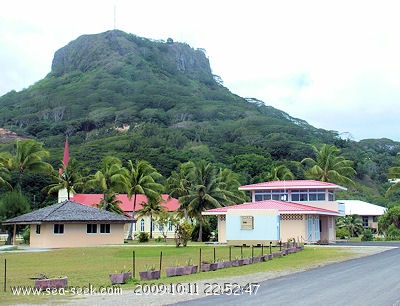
[(371, 280)]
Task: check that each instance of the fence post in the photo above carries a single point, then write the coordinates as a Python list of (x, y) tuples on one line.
[(214, 254), (230, 253), (5, 274), (160, 260), (199, 260), (270, 247), (133, 264)]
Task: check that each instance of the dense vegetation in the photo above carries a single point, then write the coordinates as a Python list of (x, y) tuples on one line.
[(116, 94)]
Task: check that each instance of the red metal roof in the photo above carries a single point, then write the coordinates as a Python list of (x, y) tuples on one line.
[(171, 204), (291, 184), (281, 206)]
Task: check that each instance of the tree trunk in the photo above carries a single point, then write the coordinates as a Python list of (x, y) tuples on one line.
[(200, 239), (10, 236), (133, 217), (151, 226)]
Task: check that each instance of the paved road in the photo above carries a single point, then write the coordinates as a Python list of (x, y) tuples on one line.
[(371, 280)]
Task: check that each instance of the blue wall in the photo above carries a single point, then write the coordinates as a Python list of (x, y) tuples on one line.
[(266, 227)]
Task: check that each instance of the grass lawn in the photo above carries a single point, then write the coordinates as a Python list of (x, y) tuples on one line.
[(92, 265)]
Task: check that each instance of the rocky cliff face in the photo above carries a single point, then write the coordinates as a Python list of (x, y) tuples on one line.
[(114, 49)]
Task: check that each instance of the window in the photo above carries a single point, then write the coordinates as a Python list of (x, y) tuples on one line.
[(91, 228), (262, 195), (37, 229), (142, 225), (152, 225), (307, 195), (170, 226), (375, 219), (246, 222), (104, 228), (160, 227), (58, 229), (365, 221)]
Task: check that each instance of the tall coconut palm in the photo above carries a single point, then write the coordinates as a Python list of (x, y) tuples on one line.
[(111, 178), (142, 180), (151, 208), (68, 178), (179, 183), (28, 155), (329, 166), (206, 192)]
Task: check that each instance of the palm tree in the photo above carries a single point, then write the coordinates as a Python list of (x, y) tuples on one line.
[(329, 166), (28, 156), (142, 180), (112, 178), (112, 204), (151, 208), (280, 173), (353, 223), (68, 178), (4, 172), (206, 192), (179, 183)]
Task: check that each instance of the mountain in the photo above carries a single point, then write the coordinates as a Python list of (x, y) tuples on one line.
[(118, 94)]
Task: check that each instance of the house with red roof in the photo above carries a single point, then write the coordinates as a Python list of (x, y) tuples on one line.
[(304, 210), (143, 223)]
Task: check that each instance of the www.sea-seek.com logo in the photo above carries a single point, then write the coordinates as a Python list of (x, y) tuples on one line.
[(71, 290)]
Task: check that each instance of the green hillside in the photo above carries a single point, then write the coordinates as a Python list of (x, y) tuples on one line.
[(118, 94)]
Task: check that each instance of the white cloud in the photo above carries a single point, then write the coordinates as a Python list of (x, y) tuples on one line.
[(332, 63)]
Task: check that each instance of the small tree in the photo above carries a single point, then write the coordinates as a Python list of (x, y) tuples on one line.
[(183, 233), (13, 204)]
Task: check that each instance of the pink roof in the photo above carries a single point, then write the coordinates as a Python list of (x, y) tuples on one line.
[(292, 184), (171, 204), (281, 206)]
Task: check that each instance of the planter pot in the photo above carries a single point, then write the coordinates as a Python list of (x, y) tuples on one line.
[(267, 257), (300, 247), (149, 275), (284, 252), (227, 263), (170, 271), (205, 267), (51, 283), (292, 250), (189, 270), (220, 265), (179, 271), (257, 259), (235, 263), (246, 261), (120, 278), (276, 254)]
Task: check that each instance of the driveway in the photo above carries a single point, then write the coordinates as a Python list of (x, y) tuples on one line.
[(370, 280)]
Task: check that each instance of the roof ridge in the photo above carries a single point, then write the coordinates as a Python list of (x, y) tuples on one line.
[(53, 209)]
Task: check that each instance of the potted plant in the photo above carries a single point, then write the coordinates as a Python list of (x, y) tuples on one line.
[(121, 277), (220, 263), (208, 266), (174, 270), (44, 282), (237, 262), (246, 261), (189, 268), (150, 273)]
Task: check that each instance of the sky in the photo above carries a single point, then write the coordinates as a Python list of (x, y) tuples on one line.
[(334, 64)]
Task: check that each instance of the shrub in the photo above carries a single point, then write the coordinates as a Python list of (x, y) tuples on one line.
[(183, 232), (342, 233), (367, 235), (393, 233), (143, 237), (26, 235)]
